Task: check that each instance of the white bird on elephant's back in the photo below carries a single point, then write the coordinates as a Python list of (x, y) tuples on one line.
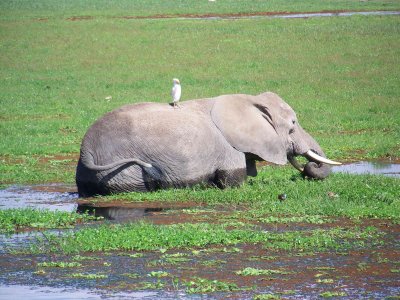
[(176, 92)]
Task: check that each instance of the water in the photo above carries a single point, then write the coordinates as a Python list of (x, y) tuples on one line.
[(366, 167), (52, 197), (22, 292), (296, 16)]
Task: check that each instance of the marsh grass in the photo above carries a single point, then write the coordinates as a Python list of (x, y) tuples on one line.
[(12, 220), (149, 237)]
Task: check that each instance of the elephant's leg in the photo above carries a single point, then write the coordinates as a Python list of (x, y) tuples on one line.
[(233, 172), (251, 168), (226, 178)]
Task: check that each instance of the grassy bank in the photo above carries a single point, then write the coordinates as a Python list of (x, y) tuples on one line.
[(339, 74)]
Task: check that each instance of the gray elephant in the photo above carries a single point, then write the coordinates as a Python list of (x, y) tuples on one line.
[(216, 141)]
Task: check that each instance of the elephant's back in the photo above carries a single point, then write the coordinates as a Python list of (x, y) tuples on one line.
[(150, 130)]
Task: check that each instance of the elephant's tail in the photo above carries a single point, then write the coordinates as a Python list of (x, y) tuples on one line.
[(139, 162), (150, 170)]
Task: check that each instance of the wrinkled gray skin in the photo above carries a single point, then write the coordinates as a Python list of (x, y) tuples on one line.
[(216, 141)]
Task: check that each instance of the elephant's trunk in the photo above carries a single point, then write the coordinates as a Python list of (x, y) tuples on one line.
[(318, 167)]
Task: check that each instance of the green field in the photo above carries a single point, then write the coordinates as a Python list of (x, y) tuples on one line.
[(340, 75)]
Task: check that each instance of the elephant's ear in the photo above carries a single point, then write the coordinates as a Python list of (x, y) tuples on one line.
[(248, 126)]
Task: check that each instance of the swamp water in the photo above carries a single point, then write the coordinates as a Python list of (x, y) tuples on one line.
[(371, 271)]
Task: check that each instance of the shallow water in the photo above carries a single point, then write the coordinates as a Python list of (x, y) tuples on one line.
[(298, 15), (51, 196), (360, 272), (366, 167), (23, 292)]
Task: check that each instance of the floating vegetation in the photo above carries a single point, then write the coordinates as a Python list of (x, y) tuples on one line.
[(263, 257), (332, 294), (395, 270), (199, 285), (158, 274), (131, 275), (256, 272), (325, 280), (54, 264), (213, 262), (88, 276), (84, 258)]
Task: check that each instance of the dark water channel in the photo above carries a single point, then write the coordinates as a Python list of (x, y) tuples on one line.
[(359, 274)]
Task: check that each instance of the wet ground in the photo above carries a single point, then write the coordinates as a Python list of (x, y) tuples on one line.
[(256, 15), (371, 271)]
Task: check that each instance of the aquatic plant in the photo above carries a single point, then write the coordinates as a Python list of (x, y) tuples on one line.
[(199, 285)]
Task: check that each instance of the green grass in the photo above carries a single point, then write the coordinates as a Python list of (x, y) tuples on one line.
[(12, 220), (339, 74), (145, 237), (64, 9)]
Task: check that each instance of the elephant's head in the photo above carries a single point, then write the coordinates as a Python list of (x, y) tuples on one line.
[(266, 127)]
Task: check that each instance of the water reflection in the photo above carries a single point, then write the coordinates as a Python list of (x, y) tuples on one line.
[(374, 168), (117, 213)]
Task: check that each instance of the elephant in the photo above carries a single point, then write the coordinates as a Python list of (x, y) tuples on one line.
[(213, 141)]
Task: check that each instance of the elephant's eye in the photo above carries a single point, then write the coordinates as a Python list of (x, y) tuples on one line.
[(291, 130)]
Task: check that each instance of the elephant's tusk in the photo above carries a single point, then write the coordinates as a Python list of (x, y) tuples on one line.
[(295, 163), (321, 159)]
